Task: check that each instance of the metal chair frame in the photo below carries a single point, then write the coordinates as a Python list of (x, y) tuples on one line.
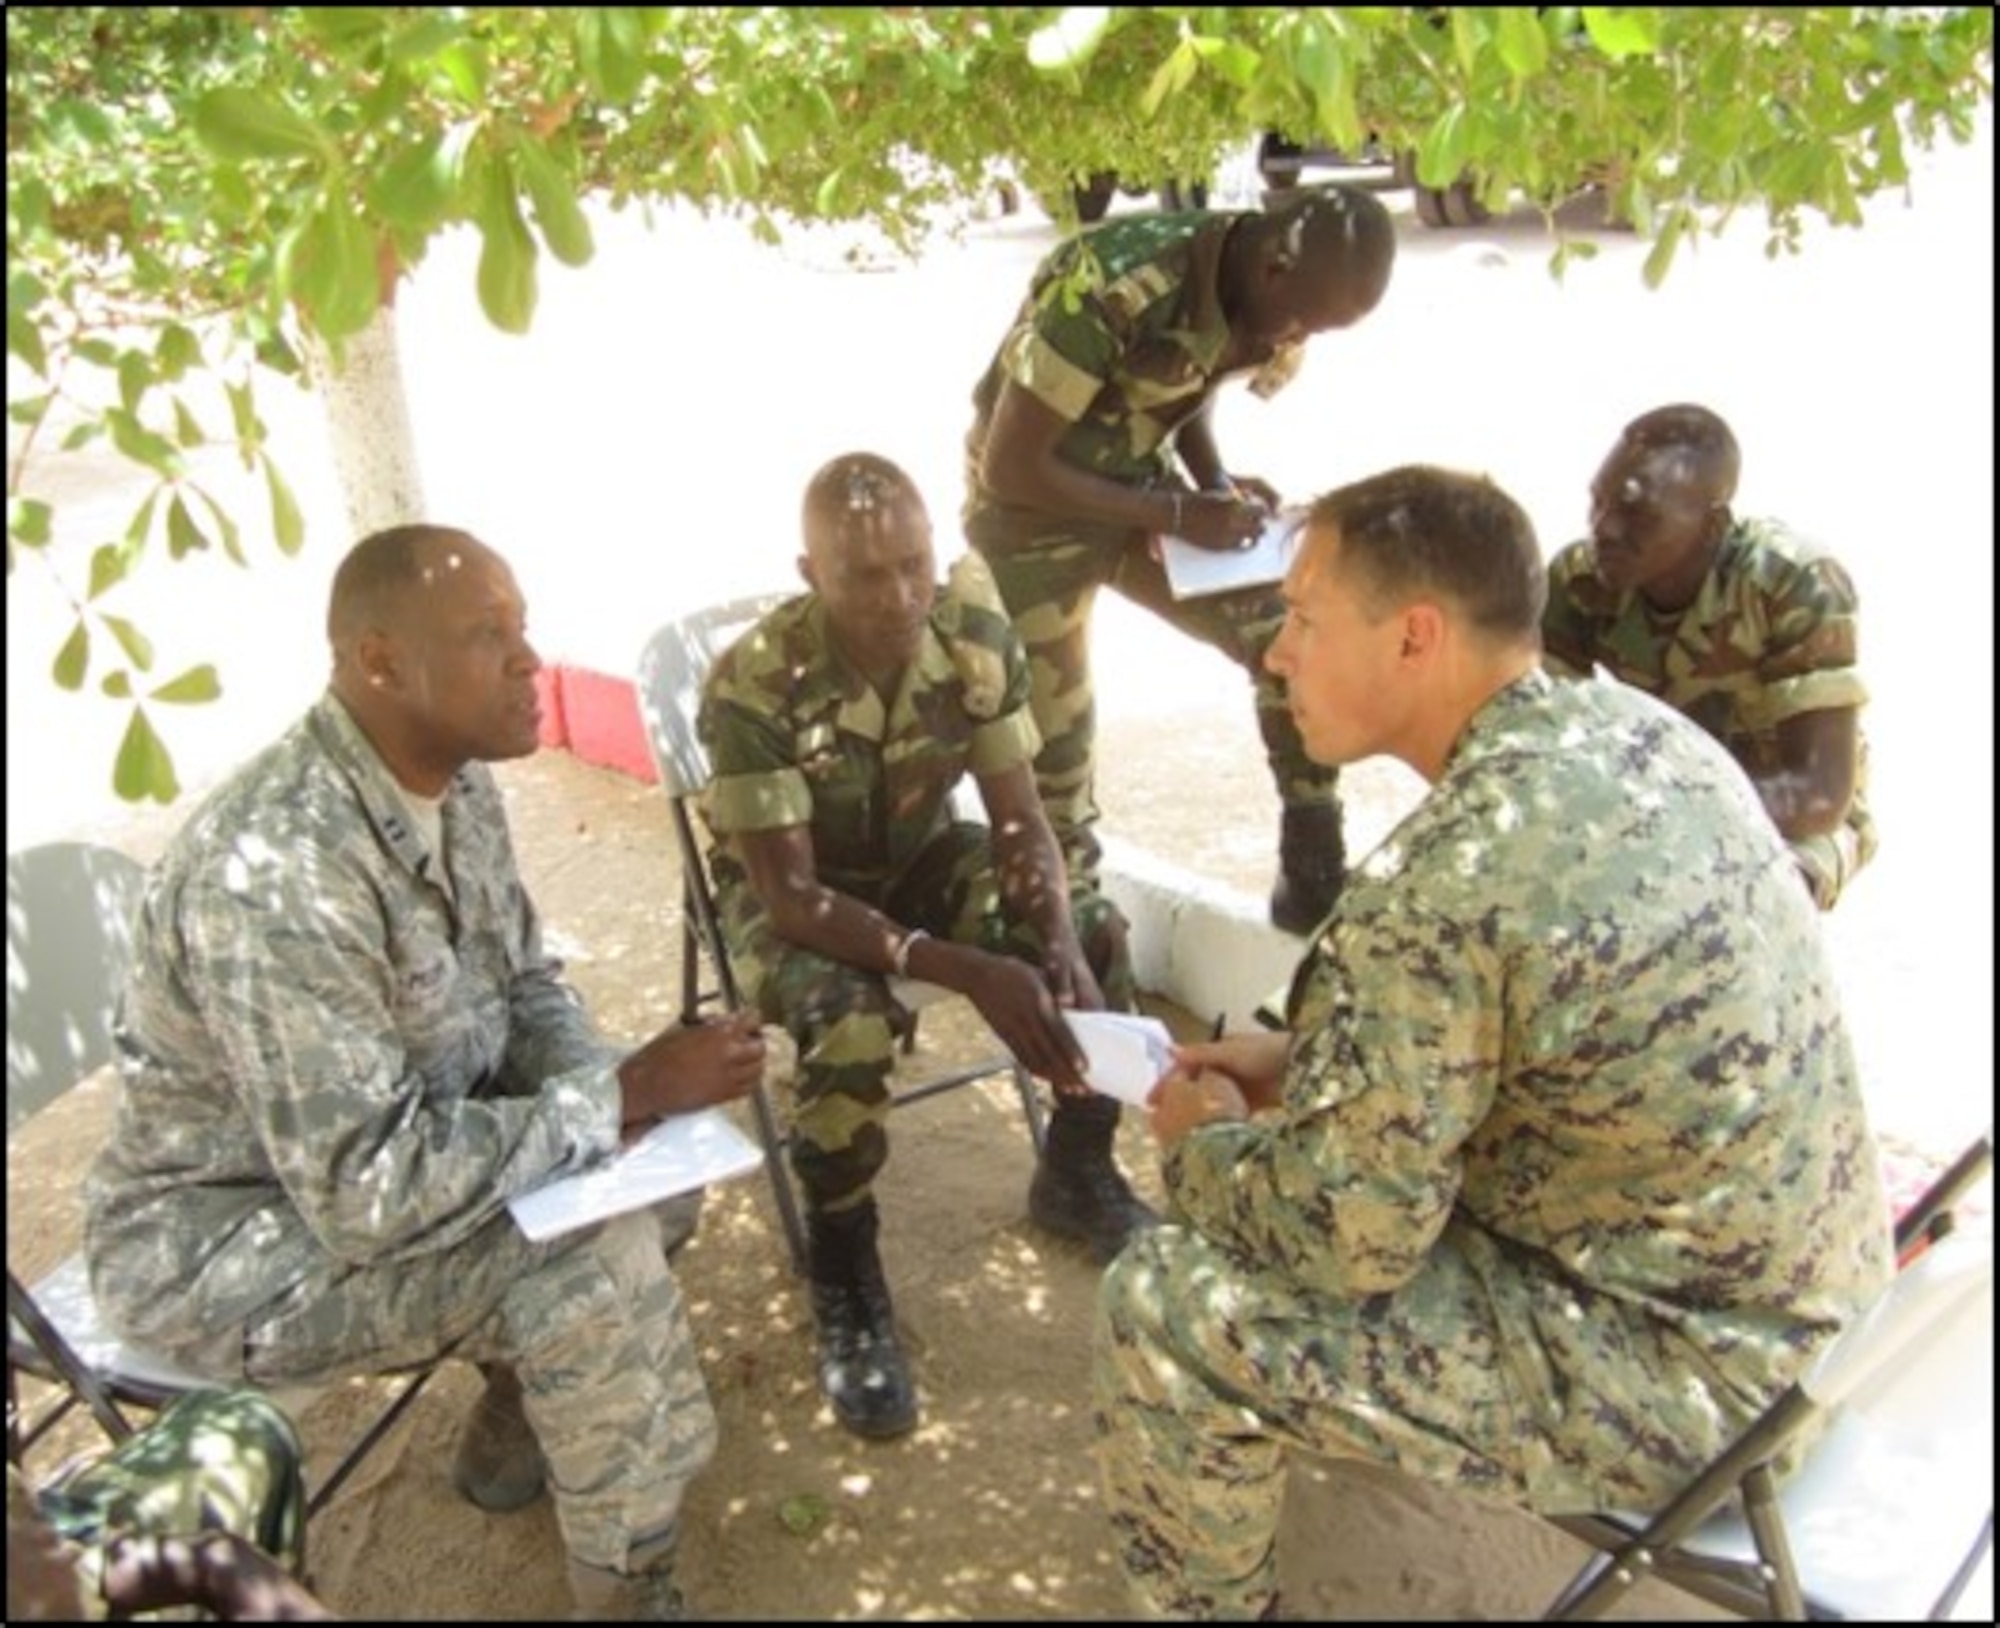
[(1729, 1537)]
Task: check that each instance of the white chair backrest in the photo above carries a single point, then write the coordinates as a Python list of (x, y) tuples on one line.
[(672, 669), (1943, 1296), (70, 912), (1895, 1496)]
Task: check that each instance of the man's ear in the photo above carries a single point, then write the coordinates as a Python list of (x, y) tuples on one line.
[(1423, 631), (375, 658)]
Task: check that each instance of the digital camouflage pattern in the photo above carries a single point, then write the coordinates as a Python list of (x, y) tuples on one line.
[(212, 1461), (1571, 1175), (341, 1055), (794, 737), (1773, 633), (1122, 334)]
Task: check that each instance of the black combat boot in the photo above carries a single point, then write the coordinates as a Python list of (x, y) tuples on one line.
[(1312, 865), (861, 1364), (1078, 1192)]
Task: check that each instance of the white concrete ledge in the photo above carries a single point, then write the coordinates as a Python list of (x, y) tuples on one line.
[(1202, 945)]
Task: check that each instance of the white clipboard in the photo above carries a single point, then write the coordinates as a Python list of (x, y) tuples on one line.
[(681, 1153), (1193, 570)]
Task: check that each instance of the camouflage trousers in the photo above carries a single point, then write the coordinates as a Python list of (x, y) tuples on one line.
[(212, 1461), (845, 1020), (1050, 582), (1206, 1374), (593, 1323)]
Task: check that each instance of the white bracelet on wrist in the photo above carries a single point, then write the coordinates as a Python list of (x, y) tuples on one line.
[(900, 961)]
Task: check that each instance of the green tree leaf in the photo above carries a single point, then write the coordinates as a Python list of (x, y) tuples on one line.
[(334, 273), (137, 647), (288, 525), (241, 125), (506, 257), (196, 685), (145, 768), (73, 659), (563, 225), (28, 521)]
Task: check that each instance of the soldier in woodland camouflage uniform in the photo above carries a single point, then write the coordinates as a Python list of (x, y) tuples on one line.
[(1746, 628), (344, 1049), (836, 730), (1096, 404), (205, 1506), (1560, 1173)]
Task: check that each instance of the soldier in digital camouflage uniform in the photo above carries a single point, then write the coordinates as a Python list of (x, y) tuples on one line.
[(344, 1049), (1560, 1173), (1092, 437), (1748, 629), (836, 730)]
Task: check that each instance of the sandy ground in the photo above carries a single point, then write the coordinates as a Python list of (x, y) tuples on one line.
[(1861, 380)]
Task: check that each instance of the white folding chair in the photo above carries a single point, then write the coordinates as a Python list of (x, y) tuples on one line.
[(70, 909), (672, 669), (1891, 1511)]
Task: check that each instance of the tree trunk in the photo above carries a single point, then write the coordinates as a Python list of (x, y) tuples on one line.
[(368, 419)]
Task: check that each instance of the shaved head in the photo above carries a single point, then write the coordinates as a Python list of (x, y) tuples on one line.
[(1709, 457), (377, 584)]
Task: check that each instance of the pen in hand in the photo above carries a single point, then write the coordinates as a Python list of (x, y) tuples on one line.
[(1215, 1033)]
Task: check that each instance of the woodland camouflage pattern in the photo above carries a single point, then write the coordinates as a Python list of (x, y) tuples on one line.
[(212, 1461), (796, 738), (1772, 634), (1570, 1179), (340, 1060), (1122, 334)]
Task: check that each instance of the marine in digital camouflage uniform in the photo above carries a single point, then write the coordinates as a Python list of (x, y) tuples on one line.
[(843, 776), (344, 1048), (1565, 1173), (1094, 408), (1765, 649)]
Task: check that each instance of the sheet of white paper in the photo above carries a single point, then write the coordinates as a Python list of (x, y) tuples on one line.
[(1193, 570), (1125, 1053), (677, 1155)]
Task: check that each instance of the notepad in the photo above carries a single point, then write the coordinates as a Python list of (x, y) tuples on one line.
[(677, 1155), (1193, 570), (1125, 1053)]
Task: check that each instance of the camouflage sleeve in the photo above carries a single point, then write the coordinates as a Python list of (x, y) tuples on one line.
[(301, 1002), (992, 665), (1395, 1061), (1065, 351), (757, 782), (1810, 649), (1568, 646)]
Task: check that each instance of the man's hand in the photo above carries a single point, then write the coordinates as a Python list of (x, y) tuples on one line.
[(1071, 982), (691, 1066), (1015, 1000), (218, 1571), (1254, 1063), (1221, 522), (1185, 1101)]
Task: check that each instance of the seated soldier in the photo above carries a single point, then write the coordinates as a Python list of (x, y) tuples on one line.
[(344, 1048), (1559, 1172), (836, 729), (1743, 626)]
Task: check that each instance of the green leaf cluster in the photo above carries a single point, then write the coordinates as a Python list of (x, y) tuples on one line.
[(197, 192)]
